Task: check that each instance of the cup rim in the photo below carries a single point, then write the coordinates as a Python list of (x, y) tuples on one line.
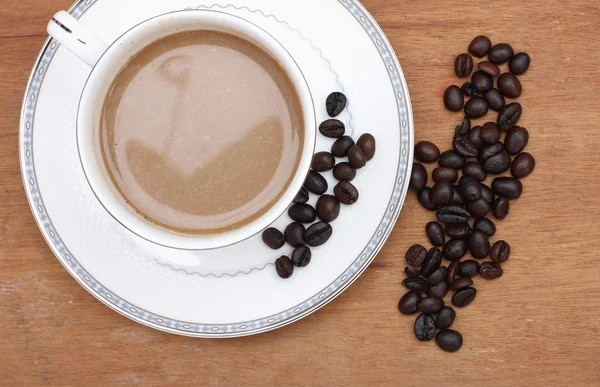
[(131, 219)]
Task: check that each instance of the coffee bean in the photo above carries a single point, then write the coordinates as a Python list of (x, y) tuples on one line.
[(367, 143), (294, 234), (479, 208), (507, 186), (464, 146), (424, 327), (516, 140), (273, 238), (455, 249), (461, 282), (475, 136), (489, 151), (409, 302), (468, 268), (480, 46), (469, 188), (464, 297), (509, 116), (490, 270), (438, 291), (301, 256), (318, 234), (486, 226), (476, 107), (303, 213), (441, 193), (510, 86), (490, 133), (341, 145), (435, 233), (475, 170), (418, 284), (445, 174), (336, 103), (463, 65), (328, 208), (479, 244), (344, 172), (315, 183), (464, 127), (451, 159), (356, 157), (322, 162), (454, 99), (501, 207), (418, 177), (500, 252), (519, 63), (437, 276), (411, 273), (456, 197), (445, 318), (457, 230), (487, 193), (346, 193), (427, 152), (489, 68), (495, 159), (482, 82), (453, 214), (424, 198), (431, 305), (452, 272), (302, 196), (495, 100), (468, 90), (332, 128), (500, 53), (284, 267), (523, 165), (415, 256), (432, 262), (449, 340)]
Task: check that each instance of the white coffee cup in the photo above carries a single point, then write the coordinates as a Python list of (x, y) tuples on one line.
[(107, 60)]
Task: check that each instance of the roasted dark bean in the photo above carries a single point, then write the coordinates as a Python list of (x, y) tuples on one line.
[(432, 262), (441, 193), (464, 297), (500, 252), (468, 268), (498, 163), (273, 238), (437, 276), (476, 107), (411, 272), (475, 136), (445, 318), (303, 213), (435, 233), (418, 284), (424, 199), (453, 214), (487, 193), (475, 170), (479, 208), (501, 207), (490, 133), (510, 86), (328, 208), (418, 177), (486, 226), (455, 249), (346, 193), (409, 302), (469, 188), (427, 152), (318, 234), (480, 46), (490, 270), (302, 196), (507, 186), (449, 340), (301, 256), (431, 305), (344, 172), (452, 272), (332, 128), (415, 255), (489, 68), (438, 291), (356, 157), (463, 65), (322, 162), (294, 234), (451, 159), (461, 282), (500, 53), (341, 145), (509, 116), (523, 165), (457, 230), (468, 89), (284, 267), (367, 143), (445, 174), (335, 104), (490, 151), (479, 244), (519, 63), (482, 82), (516, 140), (454, 99), (495, 100), (424, 327), (456, 197), (464, 127), (464, 146), (315, 183)]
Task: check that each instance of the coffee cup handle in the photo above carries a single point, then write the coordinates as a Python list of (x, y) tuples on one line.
[(69, 32)]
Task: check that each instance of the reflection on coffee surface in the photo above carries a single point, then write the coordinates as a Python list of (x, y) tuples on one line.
[(202, 132)]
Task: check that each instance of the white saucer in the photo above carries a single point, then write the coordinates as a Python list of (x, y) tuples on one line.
[(232, 291)]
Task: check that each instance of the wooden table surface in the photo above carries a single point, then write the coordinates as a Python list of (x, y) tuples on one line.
[(538, 325)]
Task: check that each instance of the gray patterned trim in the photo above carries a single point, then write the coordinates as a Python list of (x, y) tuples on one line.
[(225, 330)]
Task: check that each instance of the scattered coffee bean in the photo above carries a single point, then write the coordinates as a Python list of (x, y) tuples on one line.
[(482, 82), (284, 267), (427, 152), (469, 188), (490, 133), (445, 318), (424, 199), (464, 297), (452, 272), (415, 256), (328, 208), (456, 197), (356, 157), (418, 177), (475, 136), (519, 63), (495, 100), (500, 252), (509, 116), (322, 162), (418, 284), (489, 68), (523, 165), (424, 327), (468, 89), (454, 99), (437, 276), (273, 238), (457, 230), (344, 172), (463, 65), (510, 86), (495, 159), (318, 234), (445, 174), (408, 304), (451, 159), (490, 270), (476, 107), (516, 140), (455, 249), (332, 128), (479, 244), (435, 233), (449, 340), (302, 196), (294, 234), (464, 127), (490, 151), (475, 170), (411, 272), (480, 46), (486, 226), (507, 186), (461, 282), (438, 291), (346, 193), (501, 207), (468, 268), (432, 262), (479, 208), (367, 143), (464, 146), (301, 256), (431, 305), (341, 145), (500, 53), (303, 213), (487, 193), (441, 193), (315, 183), (335, 104), (453, 214)]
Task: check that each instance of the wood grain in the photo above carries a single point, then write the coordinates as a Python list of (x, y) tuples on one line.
[(538, 325)]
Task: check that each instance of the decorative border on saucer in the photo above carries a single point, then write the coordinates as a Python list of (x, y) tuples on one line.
[(224, 330)]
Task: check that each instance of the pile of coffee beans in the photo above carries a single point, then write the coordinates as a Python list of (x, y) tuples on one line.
[(355, 156), (461, 195)]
